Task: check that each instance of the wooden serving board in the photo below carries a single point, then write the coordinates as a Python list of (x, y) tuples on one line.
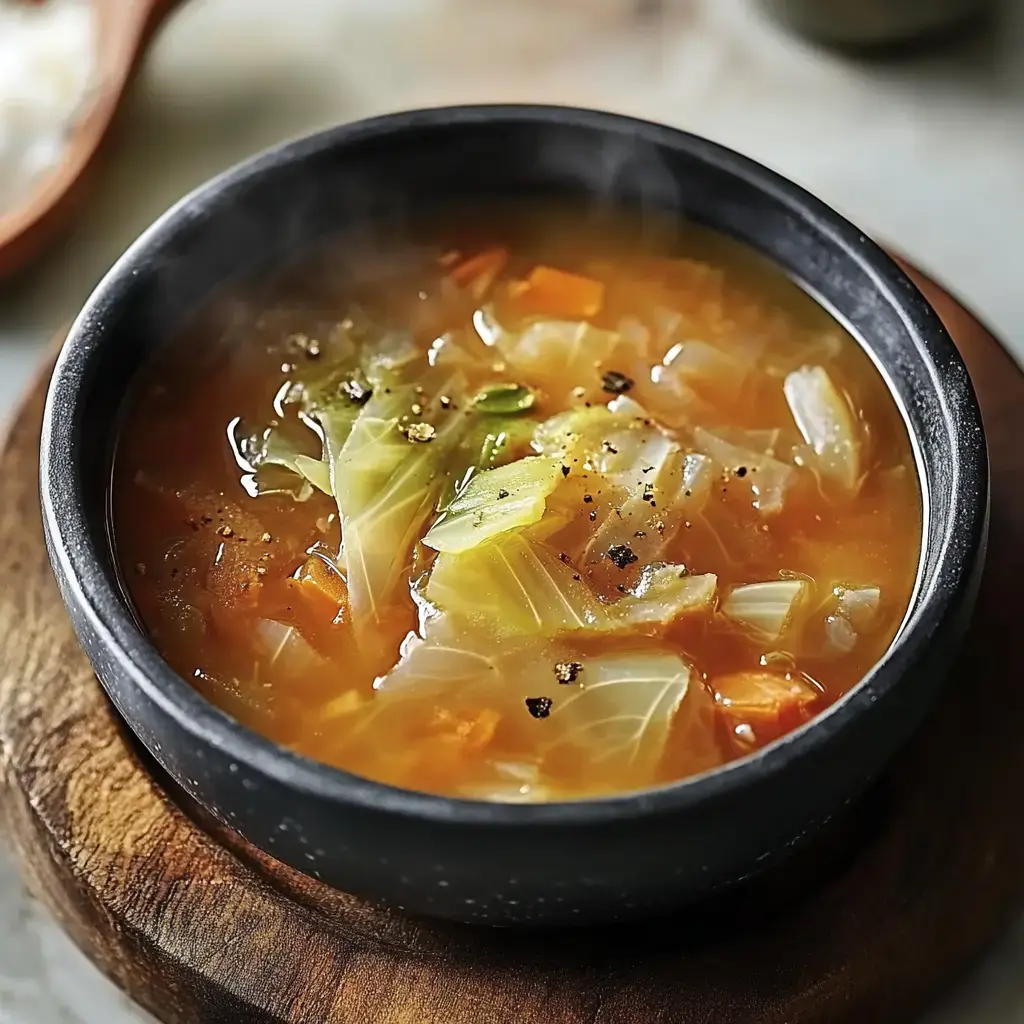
[(867, 925)]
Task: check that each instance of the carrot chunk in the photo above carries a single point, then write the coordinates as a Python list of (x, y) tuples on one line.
[(758, 707), (559, 293), (479, 272), (322, 586)]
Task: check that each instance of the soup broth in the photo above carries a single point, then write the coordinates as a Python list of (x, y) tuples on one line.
[(556, 508)]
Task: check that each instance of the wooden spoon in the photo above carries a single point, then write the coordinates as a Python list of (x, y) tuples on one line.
[(124, 29)]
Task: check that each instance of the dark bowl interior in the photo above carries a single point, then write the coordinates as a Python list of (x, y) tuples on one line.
[(571, 862)]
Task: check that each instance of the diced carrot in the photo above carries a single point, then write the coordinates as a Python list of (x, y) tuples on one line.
[(559, 293), (478, 273), (322, 586), (758, 707)]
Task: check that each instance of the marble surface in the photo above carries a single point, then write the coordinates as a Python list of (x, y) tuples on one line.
[(927, 154)]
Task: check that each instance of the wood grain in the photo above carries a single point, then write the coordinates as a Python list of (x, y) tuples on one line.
[(867, 926)]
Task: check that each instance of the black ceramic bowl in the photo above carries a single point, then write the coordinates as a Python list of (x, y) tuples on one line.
[(508, 864)]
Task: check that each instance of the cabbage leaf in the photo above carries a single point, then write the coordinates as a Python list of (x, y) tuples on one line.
[(494, 501), (622, 714)]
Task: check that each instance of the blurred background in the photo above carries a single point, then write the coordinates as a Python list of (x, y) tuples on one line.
[(905, 115)]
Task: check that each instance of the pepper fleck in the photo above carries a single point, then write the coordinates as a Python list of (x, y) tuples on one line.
[(539, 707), (621, 555), (502, 493), (588, 498), (565, 470), (593, 515), (567, 672), (742, 471), (616, 383)]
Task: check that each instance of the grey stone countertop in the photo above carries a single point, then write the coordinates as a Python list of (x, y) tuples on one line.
[(927, 154)]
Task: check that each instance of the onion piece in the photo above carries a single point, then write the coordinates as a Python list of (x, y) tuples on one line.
[(696, 365), (859, 604), (856, 610), (660, 501), (604, 437), (287, 646), (767, 608), (664, 594), (826, 422), (556, 347), (767, 477)]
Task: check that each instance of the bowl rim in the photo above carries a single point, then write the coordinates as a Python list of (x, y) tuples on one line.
[(76, 557)]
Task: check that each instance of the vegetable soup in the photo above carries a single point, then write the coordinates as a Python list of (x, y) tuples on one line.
[(561, 507)]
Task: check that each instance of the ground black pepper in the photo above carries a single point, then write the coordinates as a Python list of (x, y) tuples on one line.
[(621, 555), (616, 383), (539, 707)]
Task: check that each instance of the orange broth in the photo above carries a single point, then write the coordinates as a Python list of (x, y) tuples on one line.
[(520, 675)]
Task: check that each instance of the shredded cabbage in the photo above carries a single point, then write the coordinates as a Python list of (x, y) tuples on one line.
[(512, 585), (495, 501), (386, 484)]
